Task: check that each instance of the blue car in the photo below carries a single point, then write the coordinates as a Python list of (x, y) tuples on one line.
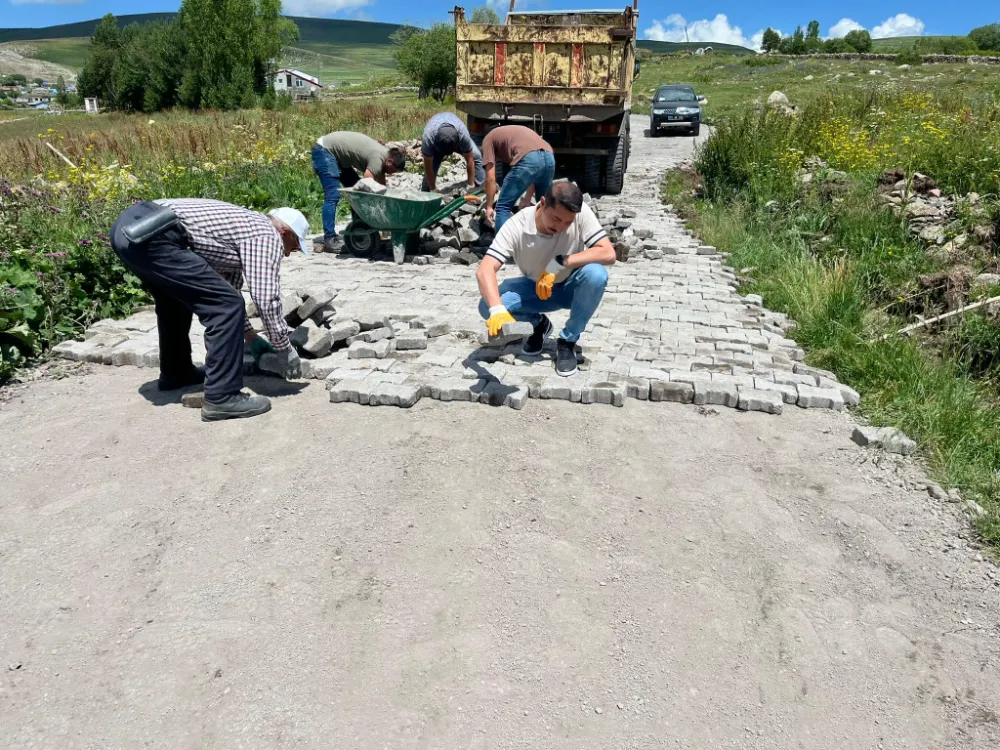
[(675, 107)]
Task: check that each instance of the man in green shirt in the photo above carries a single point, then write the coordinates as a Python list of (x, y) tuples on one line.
[(343, 158)]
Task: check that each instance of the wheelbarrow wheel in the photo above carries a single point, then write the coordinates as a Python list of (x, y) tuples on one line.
[(361, 245)]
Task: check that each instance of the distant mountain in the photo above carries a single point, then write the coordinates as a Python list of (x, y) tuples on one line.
[(328, 30)]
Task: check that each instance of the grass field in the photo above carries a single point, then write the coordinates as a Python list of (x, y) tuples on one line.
[(335, 63), (730, 82), (71, 51), (832, 255)]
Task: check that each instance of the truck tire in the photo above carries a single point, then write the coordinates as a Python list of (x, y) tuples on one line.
[(592, 174), (614, 177)]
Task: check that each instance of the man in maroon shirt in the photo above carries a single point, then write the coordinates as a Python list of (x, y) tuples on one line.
[(530, 168)]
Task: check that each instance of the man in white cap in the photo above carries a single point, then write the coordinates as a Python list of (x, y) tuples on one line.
[(192, 255)]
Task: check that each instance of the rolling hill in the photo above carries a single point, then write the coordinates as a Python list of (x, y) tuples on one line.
[(668, 47)]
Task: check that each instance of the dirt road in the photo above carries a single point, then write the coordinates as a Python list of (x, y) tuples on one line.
[(567, 576)]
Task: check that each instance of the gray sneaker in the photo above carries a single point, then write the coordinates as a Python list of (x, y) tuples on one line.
[(333, 245), (236, 406)]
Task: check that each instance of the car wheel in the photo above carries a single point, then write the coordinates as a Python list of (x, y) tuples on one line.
[(696, 130)]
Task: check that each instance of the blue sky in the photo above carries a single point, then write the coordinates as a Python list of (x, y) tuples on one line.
[(736, 21)]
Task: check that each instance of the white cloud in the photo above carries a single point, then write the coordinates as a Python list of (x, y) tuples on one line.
[(899, 25), (671, 29), (320, 8), (842, 27)]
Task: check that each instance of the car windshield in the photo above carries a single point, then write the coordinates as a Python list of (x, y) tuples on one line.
[(675, 95)]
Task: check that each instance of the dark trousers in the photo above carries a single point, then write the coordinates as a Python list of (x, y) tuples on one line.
[(331, 177), (181, 283)]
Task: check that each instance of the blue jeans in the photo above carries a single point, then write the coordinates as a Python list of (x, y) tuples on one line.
[(536, 168), (331, 177), (581, 294), (477, 157)]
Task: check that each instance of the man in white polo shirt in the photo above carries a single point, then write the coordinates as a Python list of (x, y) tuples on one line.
[(563, 253)]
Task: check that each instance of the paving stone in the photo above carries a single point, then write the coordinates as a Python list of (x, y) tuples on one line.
[(508, 333), (495, 393), (98, 348), (811, 397), (393, 394), (348, 390), (372, 335), (889, 439), (72, 350), (706, 250), (410, 340), (604, 392), (365, 350), (789, 378), (317, 299), (343, 330), (319, 369), (789, 393), (637, 388), (145, 322), (752, 399), (136, 352), (717, 394), (290, 304), (324, 315), (662, 390), (565, 389), (369, 321), (193, 399), (453, 389), (804, 369), (319, 342)]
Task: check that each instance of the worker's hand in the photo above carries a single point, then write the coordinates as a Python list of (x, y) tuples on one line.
[(498, 316), (259, 347), (491, 215), (543, 287), (289, 364)]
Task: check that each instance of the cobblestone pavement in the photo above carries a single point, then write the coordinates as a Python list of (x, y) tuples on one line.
[(672, 326)]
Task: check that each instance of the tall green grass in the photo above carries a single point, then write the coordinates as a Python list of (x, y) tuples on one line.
[(831, 256)]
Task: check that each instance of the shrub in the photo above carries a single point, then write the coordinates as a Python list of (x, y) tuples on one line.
[(987, 38)]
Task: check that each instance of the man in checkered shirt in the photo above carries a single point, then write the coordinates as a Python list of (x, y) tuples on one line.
[(197, 264)]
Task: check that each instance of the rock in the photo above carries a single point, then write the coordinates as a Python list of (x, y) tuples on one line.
[(888, 439), (343, 330), (628, 213), (661, 390), (509, 333), (936, 491), (320, 369), (319, 342), (465, 258), (369, 185), (393, 394), (290, 304), (467, 236), (316, 300), (653, 253), (410, 340), (193, 400), (811, 397), (986, 280), (755, 300), (752, 399), (777, 98), (365, 350), (372, 335), (324, 315), (933, 234), (706, 250)]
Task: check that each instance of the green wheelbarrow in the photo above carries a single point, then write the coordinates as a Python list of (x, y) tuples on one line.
[(402, 217)]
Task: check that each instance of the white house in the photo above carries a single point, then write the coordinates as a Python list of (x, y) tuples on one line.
[(296, 83)]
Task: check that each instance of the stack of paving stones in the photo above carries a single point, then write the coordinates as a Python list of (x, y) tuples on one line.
[(671, 328)]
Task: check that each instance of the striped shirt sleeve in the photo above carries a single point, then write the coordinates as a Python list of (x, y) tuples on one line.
[(591, 231), (262, 256)]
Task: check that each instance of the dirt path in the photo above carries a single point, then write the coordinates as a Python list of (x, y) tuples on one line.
[(456, 576)]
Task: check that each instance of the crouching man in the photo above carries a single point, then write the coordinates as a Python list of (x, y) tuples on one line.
[(192, 255), (563, 253)]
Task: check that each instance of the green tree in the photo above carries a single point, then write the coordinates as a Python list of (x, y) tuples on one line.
[(15, 79), (38, 81), (771, 40), (97, 76), (484, 14), (62, 97), (859, 39), (837, 45), (987, 38), (427, 58), (812, 30)]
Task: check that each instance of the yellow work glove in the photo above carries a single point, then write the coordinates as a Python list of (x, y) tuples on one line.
[(543, 287), (498, 317)]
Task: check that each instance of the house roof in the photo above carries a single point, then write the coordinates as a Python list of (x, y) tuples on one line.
[(304, 76)]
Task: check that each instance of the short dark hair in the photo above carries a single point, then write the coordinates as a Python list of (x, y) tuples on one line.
[(398, 159), (565, 194)]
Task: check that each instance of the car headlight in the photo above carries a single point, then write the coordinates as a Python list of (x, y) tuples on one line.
[(688, 110), (659, 111)]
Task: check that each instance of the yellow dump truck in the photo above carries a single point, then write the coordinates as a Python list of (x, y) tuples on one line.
[(567, 74)]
